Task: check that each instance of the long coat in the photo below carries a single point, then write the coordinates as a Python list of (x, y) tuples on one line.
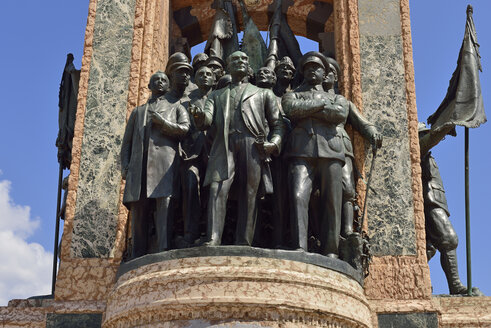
[(163, 150), (261, 115)]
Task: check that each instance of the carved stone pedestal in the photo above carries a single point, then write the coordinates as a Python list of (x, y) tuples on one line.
[(261, 291)]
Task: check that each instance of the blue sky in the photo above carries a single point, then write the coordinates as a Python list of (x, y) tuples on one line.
[(37, 35)]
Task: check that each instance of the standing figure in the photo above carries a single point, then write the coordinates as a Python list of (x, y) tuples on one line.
[(266, 78), (244, 117), (316, 153), (150, 162), (194, 150), (368, 131), (440, 234)]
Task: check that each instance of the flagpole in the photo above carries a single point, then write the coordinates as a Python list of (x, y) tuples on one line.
[(467, 215), (57, 230)]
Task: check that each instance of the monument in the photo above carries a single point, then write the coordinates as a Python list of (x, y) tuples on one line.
[(220, 203)]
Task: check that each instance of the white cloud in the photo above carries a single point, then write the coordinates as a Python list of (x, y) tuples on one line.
[(25, 266)]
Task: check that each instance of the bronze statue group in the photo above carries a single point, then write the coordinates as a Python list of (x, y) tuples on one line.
[(229, 152), (258, 151)]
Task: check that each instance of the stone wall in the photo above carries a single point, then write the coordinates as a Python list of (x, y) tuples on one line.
[(125, 42), (395, 219)]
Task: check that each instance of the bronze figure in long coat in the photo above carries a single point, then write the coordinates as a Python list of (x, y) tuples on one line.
[(150, 163)]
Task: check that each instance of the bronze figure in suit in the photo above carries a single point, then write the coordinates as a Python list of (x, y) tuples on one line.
[(248, 130), (194, 152)]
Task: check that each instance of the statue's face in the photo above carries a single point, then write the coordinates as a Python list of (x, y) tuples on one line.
[(159, 83), (285, 72), (265, 78), (238, 62), (204, 77), (217, 70), (314, 73), (181, 76), (331, 76)]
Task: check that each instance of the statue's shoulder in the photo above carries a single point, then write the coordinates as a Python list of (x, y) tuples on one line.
[(343, 101), (266, 92), (137, 109), (301, 88), (217, 93)]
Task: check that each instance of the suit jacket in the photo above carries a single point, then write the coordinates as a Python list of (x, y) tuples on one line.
[(163, 146), (195, 143), (260, 113), (315, 133)]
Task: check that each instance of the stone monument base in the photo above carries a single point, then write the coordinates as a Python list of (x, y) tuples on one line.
[(235, 291)]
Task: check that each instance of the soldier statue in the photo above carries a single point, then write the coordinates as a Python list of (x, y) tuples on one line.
[(440, 234), (316, 151)]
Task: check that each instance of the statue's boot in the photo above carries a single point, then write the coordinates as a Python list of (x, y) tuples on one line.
[(448, 260), (430, 251)]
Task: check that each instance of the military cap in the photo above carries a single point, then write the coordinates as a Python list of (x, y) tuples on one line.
[(313, 57), (215, 60), (176, 61), (334, 63), (200, 59), (285, 61)]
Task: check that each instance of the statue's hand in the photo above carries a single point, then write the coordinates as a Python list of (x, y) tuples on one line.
[(269, 147), (376, 140), (157, 118), (197, 113), (328, 105)]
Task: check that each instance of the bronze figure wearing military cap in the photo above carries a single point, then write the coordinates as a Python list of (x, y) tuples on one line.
[(316, 151)]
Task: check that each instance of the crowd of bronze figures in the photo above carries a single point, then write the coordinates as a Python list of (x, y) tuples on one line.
[(243, 145)]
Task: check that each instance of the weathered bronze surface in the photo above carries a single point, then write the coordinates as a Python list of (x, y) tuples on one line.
[(150, 158), (260, 165), (440, 233)]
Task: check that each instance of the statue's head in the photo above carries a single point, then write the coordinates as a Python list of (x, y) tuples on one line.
[(314, 67), (199, 60), (159, 83), (285, 69), (238, 63), (179, 70), (216, 64), (265, 78), (332, 73), (204, 77)]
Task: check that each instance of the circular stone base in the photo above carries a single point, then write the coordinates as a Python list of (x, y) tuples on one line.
[(235, 291)]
